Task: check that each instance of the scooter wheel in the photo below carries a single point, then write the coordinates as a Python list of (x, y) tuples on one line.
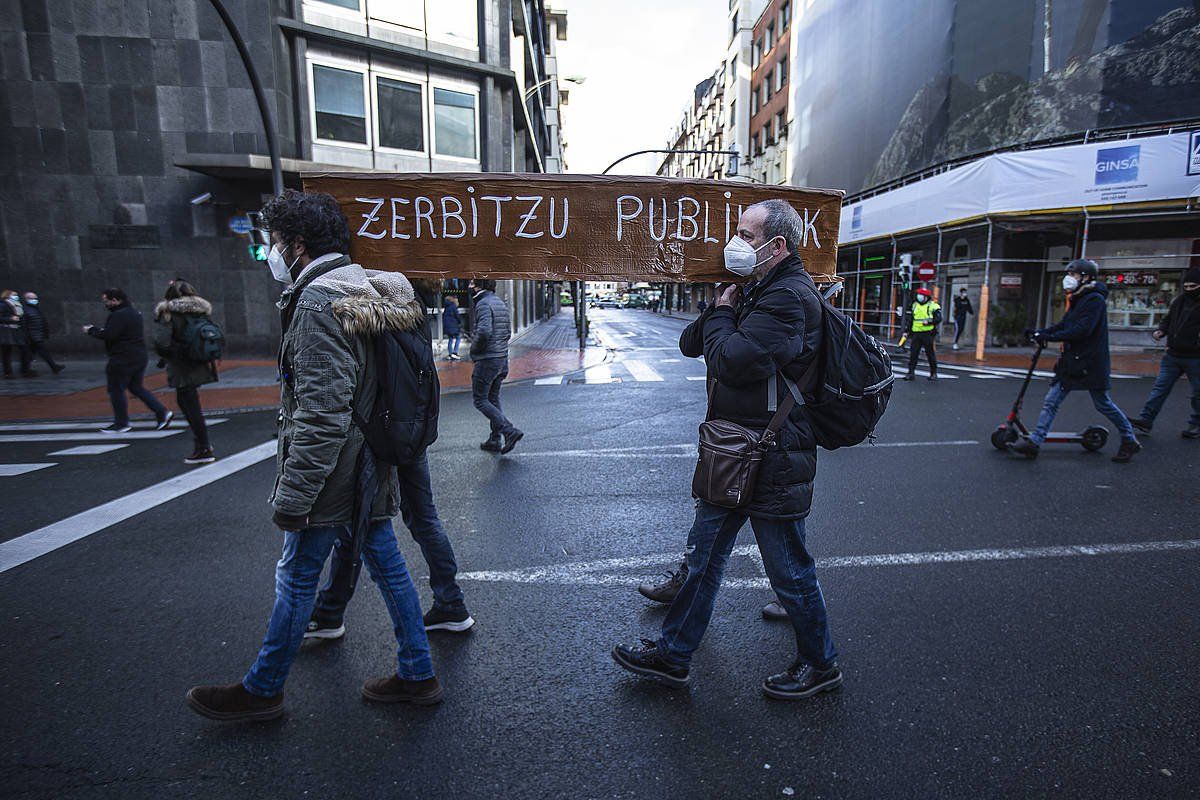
[(1094, 438), (1002, 436)]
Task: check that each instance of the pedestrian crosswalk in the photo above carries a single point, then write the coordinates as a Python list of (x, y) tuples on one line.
[(54, 435)]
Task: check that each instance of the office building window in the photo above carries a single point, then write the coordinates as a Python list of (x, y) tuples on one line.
[(756, 53), (770, 40), (785, 15), (341, 109), (781, 124), (401, 117), (350, 4), (754, 104), (768, 136), (405, 13), (732, 113), (781, 73), (733, 26), (454, 123)]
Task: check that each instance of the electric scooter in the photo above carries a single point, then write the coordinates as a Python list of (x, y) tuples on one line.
[(1092, 438)]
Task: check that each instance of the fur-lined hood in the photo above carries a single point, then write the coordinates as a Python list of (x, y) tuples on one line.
[(193, 304), (374, 301)]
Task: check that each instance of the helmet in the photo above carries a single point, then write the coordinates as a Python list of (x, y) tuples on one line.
[(925, 292), (1085, 267)]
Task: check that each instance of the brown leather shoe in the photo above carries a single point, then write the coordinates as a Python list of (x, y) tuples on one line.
[(394, 689), (1126, 451), (232, 703)]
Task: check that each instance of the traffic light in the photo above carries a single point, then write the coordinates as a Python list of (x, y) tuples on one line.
[(904, 271), (260, 238)]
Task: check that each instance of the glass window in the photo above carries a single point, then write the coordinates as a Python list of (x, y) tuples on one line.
[(453, 21), (401, 122), (350, 4), (454, 123), (785, 15), (408, 13), (770, 42), (756, 53), (733, 26), (338, 100), (754, 101), (781, 71)]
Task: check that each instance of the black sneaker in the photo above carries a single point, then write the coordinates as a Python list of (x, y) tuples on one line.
[(493, 444), (1024, 447), (774, 612), (455, 620), (114, 428), (800, 681), (646, 660), (1125, 453), (511, 439), (665, 592), (1143, 425), (57, 368), (164, 421), (1192, 432), (324, 630), (201, 455)]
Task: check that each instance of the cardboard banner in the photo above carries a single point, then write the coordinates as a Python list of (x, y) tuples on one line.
[(563, 227)]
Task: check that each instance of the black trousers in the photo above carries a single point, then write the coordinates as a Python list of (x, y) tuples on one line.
[(22, 352), (188, 400), (916, 342), (39, 349), (122, 378)]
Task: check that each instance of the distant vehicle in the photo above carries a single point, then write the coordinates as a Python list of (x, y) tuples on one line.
[(609, 302), (635, 301), (566, 299)]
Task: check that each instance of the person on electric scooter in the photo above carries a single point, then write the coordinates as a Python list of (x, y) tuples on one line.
[(1084, 363)]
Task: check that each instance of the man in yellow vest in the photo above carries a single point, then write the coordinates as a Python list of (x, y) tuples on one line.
[(922, 327)]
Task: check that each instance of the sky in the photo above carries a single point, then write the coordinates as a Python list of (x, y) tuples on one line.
[(642, 60)]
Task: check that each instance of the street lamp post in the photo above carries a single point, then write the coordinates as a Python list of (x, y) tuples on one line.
[(733, 157), (259, 96), (577, 79)]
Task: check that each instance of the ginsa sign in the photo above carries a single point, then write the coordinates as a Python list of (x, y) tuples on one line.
[(563, 227)]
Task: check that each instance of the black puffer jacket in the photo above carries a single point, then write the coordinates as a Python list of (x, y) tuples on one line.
[(1182, 327), (35, 324), (124, 337), (1085, 361), (776, 327)]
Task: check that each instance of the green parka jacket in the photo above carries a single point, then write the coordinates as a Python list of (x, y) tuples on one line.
[(329, 317), (170, 318)]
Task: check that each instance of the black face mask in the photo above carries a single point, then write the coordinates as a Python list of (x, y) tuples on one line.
[(1192, 293)]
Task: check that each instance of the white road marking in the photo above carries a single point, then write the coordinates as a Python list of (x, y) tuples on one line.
[(668, 361), (36, 543), (94, 436), (555, 381), (641, 371), (901, 372), (696, 377), (597, 573), (91, 425), (601, 373), (88, 450), (688, 450), (12, 470)]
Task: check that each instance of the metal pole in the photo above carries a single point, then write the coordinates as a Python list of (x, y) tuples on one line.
[(583, 322), (731, 153), (984, 295), (259, 96)]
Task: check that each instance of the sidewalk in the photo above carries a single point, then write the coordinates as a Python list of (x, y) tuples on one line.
[(1126, 362), (546, 348)]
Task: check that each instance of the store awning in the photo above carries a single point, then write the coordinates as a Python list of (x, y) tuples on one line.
[(246, 166)]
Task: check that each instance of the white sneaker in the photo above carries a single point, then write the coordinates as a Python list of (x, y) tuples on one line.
[(114, 429), (955, 346), (165, 421)]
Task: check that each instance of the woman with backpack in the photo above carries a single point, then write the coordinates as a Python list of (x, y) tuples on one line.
[(188, 343)]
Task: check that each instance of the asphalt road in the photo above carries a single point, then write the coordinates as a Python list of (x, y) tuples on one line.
[(990, 661)]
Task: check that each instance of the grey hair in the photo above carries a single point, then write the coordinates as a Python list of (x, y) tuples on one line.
[(782, 220)]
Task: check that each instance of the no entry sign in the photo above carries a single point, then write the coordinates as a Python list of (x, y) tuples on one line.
[(563, 227), (927, 271)]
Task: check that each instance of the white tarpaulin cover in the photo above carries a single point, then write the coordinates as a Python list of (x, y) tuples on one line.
[(1070, 177)]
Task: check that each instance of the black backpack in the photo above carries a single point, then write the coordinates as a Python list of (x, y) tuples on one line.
[(850, 385), (403, 422), (201, 340)]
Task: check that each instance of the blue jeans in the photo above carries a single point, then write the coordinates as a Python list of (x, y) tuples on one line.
[(421, 518), (486, 379), (789, 567), (122, 379), (1100, 399), (1169, 371), (452, 342), (296, 577)]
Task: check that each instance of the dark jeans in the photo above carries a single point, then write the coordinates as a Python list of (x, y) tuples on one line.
[(1101, 399), (1169, 371), (189, 403), (452, 342), (39, 349), (960, 325), (296, 577), (22, 353), (486, 379), (916, 342), (123, 379), (789, 567), (421, 518)]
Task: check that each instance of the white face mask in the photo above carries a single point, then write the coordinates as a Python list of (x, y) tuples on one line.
[(1070, 283), (741, 258), (280, 269)]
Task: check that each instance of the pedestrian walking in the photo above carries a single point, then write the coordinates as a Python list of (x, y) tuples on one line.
[(451, 326), (923, 320), (331, 311), (124, 342), (1084, 363), (37, 332), (489, 351), (962, 309), (1181, 328), (757, 342), (12, 334), (188, 344)]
